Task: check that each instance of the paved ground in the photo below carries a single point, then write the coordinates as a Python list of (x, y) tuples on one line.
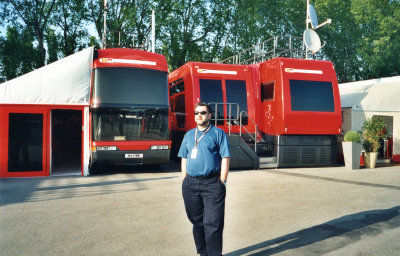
[(314, 211)]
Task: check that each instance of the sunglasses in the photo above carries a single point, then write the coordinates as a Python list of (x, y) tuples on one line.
[(201, 113)]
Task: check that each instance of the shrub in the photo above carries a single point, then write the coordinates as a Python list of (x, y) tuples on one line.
[(352, 136), (373, 130)]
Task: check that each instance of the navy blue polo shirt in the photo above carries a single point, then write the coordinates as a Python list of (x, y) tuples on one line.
[(210, 150)]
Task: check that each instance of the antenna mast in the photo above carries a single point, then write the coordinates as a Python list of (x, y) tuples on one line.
[(308, 14), (105, 25), (153, 31), (307, 21), (310, 37)]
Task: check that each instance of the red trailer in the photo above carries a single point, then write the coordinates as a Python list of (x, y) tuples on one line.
[(228, 88), (300, 111), (88, 110), (288, 110)]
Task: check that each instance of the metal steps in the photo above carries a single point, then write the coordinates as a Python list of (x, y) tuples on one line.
[(244, 155), (268, 162)]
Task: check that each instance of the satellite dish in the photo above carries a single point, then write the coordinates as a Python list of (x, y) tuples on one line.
[(311, 40), (312, 16)]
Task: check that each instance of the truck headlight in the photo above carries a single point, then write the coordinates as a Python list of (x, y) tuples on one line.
[(105, 148), (156, 147)]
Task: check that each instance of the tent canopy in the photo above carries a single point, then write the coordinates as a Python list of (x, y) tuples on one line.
[(372, 95), (64, 82)]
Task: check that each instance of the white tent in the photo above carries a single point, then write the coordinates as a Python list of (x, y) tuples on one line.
[(64, 82), (377, 97)]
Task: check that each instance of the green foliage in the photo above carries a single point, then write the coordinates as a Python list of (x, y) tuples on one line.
[(341, 37), (33, 17), (10, 64), (352, 136), (363, 40), (93, 42), (52, 45), (192, 30), (130, 17), (20, 56), (378, 24), (69, 16), (373, 130)]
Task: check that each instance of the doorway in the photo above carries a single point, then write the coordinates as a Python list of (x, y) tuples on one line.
[(386, 149), (66, 142)]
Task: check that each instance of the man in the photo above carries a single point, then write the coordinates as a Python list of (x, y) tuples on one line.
[(205, 165)]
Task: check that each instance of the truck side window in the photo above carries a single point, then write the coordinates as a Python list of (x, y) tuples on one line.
[(211, 92), (176, 87), (176, 91), (311, 96), (267, 91), (236, 93), (180, 110)]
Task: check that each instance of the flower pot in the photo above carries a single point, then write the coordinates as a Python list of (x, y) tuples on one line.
[(370, 159), (351, 153)]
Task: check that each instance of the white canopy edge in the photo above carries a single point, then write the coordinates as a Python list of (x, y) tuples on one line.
[(380, 95), (64, 82)]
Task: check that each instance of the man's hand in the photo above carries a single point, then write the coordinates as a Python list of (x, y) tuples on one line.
[(224, 168), (183, 168)]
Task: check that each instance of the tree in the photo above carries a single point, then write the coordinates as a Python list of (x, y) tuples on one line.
[(34, 14), (363, 40), (96, 10), (19, 56), (253, 22), (132, 18), (2, 54), (379, 23), (191, 30), (10, 65), (52, 46), (69, 16), (341, 38)]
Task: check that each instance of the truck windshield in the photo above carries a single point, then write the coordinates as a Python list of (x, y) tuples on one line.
[(127, 86), (122, 124), (311, 96)]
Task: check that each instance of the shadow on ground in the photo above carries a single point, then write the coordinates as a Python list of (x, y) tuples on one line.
[(22, 190), (315, 177), (173, 166), (348, 229)]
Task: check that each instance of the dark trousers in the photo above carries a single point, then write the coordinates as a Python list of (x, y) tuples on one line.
[(205, 207)]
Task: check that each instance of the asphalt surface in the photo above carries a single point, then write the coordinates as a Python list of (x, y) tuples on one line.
[(310, 211)]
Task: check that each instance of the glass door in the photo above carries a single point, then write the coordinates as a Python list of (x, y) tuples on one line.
[(27, 134)]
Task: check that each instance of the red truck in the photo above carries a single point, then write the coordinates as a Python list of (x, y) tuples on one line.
[(283, 112)]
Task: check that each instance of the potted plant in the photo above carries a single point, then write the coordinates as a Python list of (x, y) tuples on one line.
[(352, 150), (373, 130)]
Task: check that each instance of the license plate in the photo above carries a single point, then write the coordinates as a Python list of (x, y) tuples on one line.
[(133, 155)]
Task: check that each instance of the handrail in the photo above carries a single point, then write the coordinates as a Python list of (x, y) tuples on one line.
[(229, 119), (143, 46), (282, 45), (238, 118), (255, 129)]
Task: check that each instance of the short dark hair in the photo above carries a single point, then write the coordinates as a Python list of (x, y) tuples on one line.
[(203, 104)]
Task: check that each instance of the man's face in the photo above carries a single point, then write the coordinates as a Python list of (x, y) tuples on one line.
[(202, 117)]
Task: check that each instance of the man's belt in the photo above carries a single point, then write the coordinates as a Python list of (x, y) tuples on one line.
[(211, 175)]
